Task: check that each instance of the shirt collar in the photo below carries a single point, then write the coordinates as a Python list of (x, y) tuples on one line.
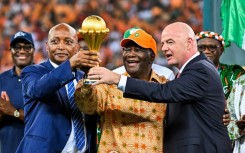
[(53, 64), (13, 73), (56, 65), (153, 78), (192, 57)]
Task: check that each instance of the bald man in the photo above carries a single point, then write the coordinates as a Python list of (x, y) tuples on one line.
[(196, 101), (50, 123)]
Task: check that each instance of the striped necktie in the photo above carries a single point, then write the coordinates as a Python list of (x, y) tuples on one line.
[(77, 118)]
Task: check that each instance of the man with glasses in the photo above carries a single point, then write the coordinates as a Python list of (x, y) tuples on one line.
[(127, 125), (212, 44), (11, 101)]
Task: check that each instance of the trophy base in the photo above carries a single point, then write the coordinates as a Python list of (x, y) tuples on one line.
[(89, 81)]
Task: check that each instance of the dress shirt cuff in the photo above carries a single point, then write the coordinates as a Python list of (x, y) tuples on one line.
[(122, 83)]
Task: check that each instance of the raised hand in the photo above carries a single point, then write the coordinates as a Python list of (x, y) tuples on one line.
[(6, 108), (103, 75), (85, 58)]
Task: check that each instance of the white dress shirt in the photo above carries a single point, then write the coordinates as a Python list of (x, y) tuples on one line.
[(70, 146)]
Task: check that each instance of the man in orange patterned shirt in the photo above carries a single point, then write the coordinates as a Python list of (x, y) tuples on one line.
[(128, 125)]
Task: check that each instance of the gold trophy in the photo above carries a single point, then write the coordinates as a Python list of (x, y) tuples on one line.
[(93, 31)]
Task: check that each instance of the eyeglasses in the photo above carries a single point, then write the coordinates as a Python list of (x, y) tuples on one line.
[(211, 48), (136, 49), (26, 48)]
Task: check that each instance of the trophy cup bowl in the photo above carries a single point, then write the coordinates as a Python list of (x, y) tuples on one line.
[(93, 31)]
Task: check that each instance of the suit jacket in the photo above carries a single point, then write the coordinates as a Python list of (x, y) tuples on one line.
[(196, 104), (47, 111)]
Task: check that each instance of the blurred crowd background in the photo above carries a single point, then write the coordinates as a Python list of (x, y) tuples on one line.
[(38, 16)]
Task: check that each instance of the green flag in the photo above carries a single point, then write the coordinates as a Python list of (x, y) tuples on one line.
[(233, 22)]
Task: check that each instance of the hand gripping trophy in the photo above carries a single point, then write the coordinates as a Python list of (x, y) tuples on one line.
[(93, 31)]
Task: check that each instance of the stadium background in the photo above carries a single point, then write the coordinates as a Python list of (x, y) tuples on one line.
[(38, 16)]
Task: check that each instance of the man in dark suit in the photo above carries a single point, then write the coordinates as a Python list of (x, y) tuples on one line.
[(196, 101), (50, 126)]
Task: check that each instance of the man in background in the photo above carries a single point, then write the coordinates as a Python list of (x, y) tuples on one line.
[(11, 101), (212, 45)]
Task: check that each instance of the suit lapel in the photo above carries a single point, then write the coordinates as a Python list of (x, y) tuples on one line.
[(196, 59), (63, 93), (65, 100), (48, 65), (170, 107)]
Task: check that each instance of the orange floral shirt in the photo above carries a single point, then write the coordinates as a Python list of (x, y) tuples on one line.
[(128, 125)]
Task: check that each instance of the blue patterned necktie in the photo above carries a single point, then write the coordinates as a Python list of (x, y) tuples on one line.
[(77, 118)]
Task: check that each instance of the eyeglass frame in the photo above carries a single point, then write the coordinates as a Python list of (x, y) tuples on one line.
[(208, 46), (20, 47)]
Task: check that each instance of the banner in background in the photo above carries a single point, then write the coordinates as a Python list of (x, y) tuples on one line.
[(233, 22)]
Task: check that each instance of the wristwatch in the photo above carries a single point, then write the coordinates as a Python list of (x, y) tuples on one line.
[(16, 113)]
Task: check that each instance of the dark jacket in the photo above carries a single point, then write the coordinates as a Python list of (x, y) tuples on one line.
[(196, 104)]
